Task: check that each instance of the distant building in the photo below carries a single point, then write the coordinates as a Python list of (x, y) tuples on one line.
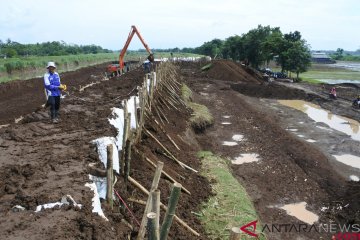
[(320, 57)]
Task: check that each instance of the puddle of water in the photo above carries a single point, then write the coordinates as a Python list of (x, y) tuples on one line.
[(226, 143), (226, 123), (300, 135), (348, 159), (299, 211), (6, 125), (204, 94), (246, 158), (293, 129), (226, 116), (354, 178), (238, 137), (315, 112), (310, 140)]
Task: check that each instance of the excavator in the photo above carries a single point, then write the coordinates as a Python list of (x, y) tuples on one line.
[(115, 68)]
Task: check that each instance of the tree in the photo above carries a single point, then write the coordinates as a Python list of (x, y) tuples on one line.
[(298, 57), (212, 48), (338, 55)]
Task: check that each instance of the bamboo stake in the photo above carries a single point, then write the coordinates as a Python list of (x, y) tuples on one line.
[(162, 114), (235, 233), (163, 130), (109, 176), (163, 171), (151, 217), (127, 117), (154, 185), (127, 159), (169, 216), (135, 112), (168, 152), (155, 207), (181, 222), (159, 115)]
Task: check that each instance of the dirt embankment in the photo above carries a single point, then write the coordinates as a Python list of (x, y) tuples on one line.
[(290, 170), (41, 162)]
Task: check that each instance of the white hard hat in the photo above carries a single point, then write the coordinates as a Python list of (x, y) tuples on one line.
[(51, 64)]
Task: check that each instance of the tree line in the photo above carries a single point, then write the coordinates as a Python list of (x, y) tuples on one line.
[(259, 46), (11, 49)]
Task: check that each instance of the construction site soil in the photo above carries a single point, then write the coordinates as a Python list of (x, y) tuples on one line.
[(40, 162)]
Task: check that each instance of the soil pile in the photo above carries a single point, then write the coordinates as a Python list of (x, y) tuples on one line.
[(268, 90), (230, 71)]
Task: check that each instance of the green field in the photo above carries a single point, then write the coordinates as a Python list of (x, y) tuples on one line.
[(324, 71), (34, 66)]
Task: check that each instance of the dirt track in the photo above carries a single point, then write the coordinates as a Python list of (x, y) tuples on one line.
[(41, 162)]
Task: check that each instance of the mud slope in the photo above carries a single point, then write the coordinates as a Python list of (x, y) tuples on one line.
[(41, 162)]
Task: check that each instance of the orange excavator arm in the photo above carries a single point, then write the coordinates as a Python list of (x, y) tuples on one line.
[(123, 51)]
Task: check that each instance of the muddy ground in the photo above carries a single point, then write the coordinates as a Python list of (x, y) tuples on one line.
[(291, 170), (41, 162)]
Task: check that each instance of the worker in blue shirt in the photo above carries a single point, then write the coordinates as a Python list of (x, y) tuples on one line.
[(53, 89)]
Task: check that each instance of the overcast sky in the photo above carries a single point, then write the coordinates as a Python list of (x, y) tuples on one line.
[(325, 24)]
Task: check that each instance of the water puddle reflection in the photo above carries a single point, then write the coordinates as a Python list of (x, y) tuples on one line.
[(226, 143), (226, 116), (238, 137), (315, 112), (226, 123), (299, 211), (348, 159), (246, 158)]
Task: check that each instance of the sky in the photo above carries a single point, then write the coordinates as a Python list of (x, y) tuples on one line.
[(324, 24)]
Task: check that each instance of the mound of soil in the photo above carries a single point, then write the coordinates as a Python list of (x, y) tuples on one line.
[(227, 70), (271, 91)]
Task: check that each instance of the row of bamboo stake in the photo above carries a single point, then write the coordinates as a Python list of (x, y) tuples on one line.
[(161, 93)]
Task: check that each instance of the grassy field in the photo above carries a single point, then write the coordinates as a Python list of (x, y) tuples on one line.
[(30, 67), (324, 71), (231, 206)]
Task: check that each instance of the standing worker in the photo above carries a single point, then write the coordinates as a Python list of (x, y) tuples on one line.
[(53, 89)]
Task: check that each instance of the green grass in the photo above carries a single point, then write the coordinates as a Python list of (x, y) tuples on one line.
[(201, 116), (324, 71), (29, 67), (231, 206)]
